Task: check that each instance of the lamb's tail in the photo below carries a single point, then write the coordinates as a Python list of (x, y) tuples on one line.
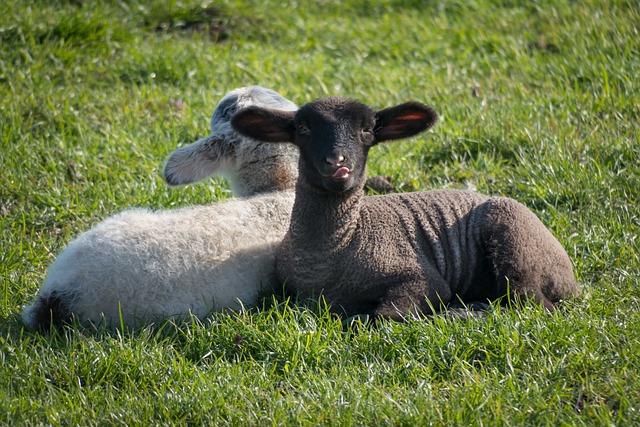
[(47, 311)]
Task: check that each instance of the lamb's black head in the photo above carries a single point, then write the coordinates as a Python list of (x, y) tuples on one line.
[(334, 135)]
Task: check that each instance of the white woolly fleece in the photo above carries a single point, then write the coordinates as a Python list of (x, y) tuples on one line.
[(150, 266)]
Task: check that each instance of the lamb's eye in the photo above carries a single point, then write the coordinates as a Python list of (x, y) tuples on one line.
[(229, 112), (302, 129)]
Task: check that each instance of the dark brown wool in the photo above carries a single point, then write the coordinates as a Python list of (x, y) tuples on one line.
[(395, 255)]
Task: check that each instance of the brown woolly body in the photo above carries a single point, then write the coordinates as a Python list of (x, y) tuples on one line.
[(384, 255), (399, 254)]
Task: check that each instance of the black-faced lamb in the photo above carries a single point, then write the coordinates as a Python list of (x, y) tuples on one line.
[(141, 266), (397, 255)]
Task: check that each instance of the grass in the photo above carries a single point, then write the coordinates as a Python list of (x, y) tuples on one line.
[(539, 101)]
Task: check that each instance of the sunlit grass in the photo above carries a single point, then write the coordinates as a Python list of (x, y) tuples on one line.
[(538, 101)]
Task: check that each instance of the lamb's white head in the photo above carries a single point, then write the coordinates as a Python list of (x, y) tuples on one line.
[(251, 166)]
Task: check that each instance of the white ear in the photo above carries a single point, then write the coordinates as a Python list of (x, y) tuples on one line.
[(194, 162)]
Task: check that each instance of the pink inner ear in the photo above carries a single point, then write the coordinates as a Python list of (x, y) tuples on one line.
[(411, 116)]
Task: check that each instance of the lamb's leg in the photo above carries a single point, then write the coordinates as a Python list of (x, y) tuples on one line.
[(414, 298), (469, 310), (527, 259)]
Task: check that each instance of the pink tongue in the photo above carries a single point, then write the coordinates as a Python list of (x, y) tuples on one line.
[(341, 172)]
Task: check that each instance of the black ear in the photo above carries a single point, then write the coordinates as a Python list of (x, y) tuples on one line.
[(403, 121), (265, 124)]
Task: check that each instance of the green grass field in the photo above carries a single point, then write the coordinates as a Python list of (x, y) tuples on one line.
[(539, 101)]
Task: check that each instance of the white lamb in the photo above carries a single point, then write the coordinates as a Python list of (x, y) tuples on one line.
[(141, 266)]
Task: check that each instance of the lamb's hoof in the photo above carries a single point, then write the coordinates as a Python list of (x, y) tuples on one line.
[(478, 306), (470, 310), (356, 320)]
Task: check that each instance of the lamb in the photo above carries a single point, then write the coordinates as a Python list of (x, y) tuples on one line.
[(141, 266), (398, 255)]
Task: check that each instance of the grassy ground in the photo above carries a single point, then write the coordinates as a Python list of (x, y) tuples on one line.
[(539, 101)]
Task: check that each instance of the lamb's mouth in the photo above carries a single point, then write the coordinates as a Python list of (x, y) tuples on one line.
[(341, 174)]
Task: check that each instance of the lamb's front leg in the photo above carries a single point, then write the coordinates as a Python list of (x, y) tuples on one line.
[(413, 298)]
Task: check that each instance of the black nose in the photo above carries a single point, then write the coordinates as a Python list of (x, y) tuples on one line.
[(334, 159)]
